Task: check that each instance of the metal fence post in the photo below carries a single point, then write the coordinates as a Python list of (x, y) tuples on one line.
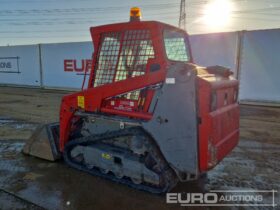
[(239, 51), (41, 66)]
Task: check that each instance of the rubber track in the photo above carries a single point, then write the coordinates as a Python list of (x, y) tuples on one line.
[(96, 172)]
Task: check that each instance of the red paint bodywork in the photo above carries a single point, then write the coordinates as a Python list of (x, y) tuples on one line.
[(224, 138), (221, 124)]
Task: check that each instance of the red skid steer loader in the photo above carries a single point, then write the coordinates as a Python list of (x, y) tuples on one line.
[(149, 117)]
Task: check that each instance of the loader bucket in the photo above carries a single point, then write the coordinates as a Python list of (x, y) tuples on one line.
[(44, 142)]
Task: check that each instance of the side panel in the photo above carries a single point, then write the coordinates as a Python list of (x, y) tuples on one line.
[(19, 65), (219, 113), (174, 124), (259, 79), (215, 49), (64, 65)]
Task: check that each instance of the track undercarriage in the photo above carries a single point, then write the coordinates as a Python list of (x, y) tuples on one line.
[(128, 156)]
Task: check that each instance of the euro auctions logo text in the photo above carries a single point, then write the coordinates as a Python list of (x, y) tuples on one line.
[(78, 66), (224, 198), (192, 198)]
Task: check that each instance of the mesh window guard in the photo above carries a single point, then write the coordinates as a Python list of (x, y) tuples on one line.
[(176, 49), (176, 46), (123, 55)]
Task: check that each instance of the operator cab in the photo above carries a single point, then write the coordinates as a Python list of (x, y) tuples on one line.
[(133, 49)]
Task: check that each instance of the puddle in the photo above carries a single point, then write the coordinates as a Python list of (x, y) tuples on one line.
[(15, 123), (11, 129)]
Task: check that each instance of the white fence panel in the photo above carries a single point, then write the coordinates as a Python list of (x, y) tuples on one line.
[(64, 64), (260, 67), (19, 65), (215, 49)]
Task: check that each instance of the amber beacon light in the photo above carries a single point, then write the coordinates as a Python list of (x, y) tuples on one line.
[(135, 14)]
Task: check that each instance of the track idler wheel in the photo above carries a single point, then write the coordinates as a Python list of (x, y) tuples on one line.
[(136, 181), (119, 175), (104, 171)]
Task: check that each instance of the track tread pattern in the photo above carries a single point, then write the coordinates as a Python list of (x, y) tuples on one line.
[(125, 181)]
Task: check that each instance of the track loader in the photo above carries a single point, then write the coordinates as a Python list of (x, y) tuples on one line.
[(149, 117)]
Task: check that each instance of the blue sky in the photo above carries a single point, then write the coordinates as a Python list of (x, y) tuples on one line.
[(48, 21)]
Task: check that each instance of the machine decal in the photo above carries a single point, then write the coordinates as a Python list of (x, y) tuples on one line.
[(81, 102), (106, 156), (170, 80)]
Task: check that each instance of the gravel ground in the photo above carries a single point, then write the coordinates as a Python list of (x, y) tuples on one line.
[(30, 183)]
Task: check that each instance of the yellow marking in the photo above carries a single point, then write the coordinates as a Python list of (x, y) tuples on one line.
[(81, 102), (106, 156)]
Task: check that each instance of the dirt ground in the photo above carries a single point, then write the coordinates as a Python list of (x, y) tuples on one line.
[(31, 183)]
